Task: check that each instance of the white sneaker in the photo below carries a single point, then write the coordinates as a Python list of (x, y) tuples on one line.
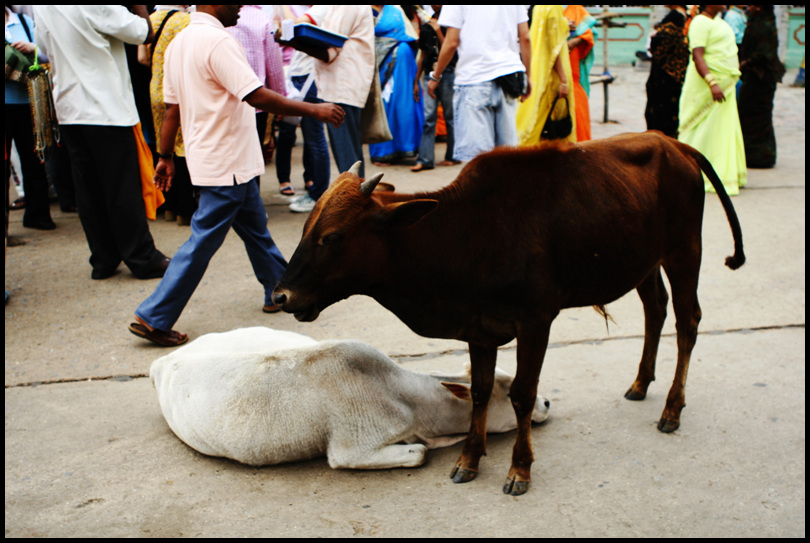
[(303, 204)]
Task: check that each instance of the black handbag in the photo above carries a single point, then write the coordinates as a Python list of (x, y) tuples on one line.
[(512, 84), (559, 129)]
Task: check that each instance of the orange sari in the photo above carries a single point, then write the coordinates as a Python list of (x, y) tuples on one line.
[(152, 197), (577, 54)]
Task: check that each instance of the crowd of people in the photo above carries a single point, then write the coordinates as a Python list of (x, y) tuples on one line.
[(712, 83), (221, 86)]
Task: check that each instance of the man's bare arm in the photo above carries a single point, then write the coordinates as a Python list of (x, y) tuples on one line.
[(272, 102)]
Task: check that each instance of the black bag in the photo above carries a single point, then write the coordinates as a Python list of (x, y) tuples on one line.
[(512, 84), (157, 34), (557, 130)]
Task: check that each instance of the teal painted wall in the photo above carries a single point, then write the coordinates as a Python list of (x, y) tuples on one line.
[(624, 42)]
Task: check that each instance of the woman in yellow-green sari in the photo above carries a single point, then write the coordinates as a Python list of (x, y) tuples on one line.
[(550, 75), (709, 121)]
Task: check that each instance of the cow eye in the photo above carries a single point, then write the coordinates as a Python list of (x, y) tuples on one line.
[(331, 239)]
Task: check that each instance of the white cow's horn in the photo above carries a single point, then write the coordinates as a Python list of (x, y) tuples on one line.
[(355, 169), (367, 186)]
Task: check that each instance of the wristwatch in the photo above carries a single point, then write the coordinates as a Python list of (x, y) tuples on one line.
[(432, 77), (166, 156)]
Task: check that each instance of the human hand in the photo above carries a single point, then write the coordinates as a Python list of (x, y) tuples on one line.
[(24, 47), (528, 92), (717, 93), (329, 113), (164, 173), (431, 88)]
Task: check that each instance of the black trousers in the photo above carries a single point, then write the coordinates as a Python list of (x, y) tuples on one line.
[(17, 121), (106, 174)]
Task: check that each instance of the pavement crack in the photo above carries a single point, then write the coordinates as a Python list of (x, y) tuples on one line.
[(413, 357), (120, 378)]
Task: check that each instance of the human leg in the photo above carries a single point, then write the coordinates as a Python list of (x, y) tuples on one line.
[(505, 110), (347, 140), (284, 145), (250, 224), (446, 99), (316, 152), (114, 155), (104, 256), (427, 145), (209, 226), (18, 128), (186, 202), (475, 129)]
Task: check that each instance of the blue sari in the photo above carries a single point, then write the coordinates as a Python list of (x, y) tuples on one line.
[(396, 61)]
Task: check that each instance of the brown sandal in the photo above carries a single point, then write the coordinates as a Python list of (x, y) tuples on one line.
[(171, 338)]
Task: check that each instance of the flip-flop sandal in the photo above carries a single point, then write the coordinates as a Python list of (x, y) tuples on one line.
[(287, 191), (158, 337)]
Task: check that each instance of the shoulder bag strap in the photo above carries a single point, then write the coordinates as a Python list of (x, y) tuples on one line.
[(159, 30)]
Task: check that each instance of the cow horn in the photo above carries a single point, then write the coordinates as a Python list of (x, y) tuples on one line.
[(355, 169), (367, 186)]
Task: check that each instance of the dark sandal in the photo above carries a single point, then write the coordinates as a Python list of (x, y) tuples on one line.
[(287, 191), (158, 337)]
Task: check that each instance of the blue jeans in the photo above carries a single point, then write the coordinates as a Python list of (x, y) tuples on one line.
[(346, 140), (484, 119), (316, 153), (237, 206), (444, 93)]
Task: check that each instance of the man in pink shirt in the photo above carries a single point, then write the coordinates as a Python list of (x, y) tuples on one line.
[(209, 85)]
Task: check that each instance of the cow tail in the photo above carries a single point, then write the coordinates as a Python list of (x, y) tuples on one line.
[(738, 259)]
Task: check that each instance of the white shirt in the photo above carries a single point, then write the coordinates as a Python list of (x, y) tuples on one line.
[(346, 79), (89, 66), (488, 40), (300, 63)]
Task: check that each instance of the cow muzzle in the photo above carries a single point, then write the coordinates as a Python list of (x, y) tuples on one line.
[(285, 300)]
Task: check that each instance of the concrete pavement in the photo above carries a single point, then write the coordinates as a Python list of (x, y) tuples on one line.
[(87, 452)]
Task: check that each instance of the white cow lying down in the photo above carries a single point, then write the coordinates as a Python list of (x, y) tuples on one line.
[(263, 396)]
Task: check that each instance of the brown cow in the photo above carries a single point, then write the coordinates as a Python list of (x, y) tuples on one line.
[(518, 236)]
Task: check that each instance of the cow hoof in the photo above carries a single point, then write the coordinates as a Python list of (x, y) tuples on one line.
[(635, 395), (668, 426), (515, 488), (461, 475)]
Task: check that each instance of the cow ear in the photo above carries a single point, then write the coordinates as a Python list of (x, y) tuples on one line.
[(406, 213), (462, 392)]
